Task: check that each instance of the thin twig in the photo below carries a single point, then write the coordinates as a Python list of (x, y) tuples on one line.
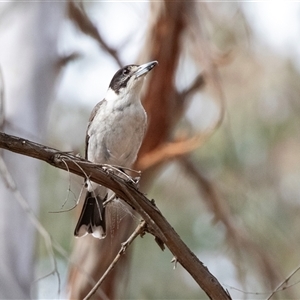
[(24, 204), (50, 243), (156, 222), (139, 230), (121, 170), (283, 285)]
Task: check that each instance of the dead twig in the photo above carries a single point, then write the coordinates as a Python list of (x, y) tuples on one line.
[(10, 183), (138, 231), (156, 223), (50, 243), (283, 285)]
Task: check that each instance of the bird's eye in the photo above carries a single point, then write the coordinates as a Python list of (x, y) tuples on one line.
[(125, 71)]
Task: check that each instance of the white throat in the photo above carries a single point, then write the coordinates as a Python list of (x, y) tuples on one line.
[(111, 95), (124, 99)]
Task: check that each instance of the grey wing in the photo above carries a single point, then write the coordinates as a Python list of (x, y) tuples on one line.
[(92, 116)]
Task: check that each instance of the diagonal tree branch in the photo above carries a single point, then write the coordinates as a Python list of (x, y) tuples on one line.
[(156, 223)]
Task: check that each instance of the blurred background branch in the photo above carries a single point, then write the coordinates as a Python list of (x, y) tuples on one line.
[(78, 15), (221, 151)]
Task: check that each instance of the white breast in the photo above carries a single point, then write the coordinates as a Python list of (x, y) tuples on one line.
[(116, 133)]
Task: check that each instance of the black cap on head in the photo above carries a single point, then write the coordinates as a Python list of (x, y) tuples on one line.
[(122, 76)]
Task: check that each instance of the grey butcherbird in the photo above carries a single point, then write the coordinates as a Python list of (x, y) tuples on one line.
[(114, 135)]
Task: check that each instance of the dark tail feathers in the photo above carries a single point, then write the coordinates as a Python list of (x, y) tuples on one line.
[(92, 217)]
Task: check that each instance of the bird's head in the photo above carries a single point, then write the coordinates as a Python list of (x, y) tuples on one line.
[(128, 81)]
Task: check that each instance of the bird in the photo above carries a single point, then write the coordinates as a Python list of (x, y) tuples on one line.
[(114, 134)]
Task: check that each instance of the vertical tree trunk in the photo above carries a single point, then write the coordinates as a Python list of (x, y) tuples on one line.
[(28, 60)]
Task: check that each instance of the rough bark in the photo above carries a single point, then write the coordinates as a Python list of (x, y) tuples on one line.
[(126, 190)]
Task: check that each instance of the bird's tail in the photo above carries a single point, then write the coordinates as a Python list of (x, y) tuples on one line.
[(92, 217)]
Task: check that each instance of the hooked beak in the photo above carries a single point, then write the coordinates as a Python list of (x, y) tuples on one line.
[(145, 68)]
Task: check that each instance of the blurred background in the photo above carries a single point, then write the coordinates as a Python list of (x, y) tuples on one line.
[(220, 158)]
